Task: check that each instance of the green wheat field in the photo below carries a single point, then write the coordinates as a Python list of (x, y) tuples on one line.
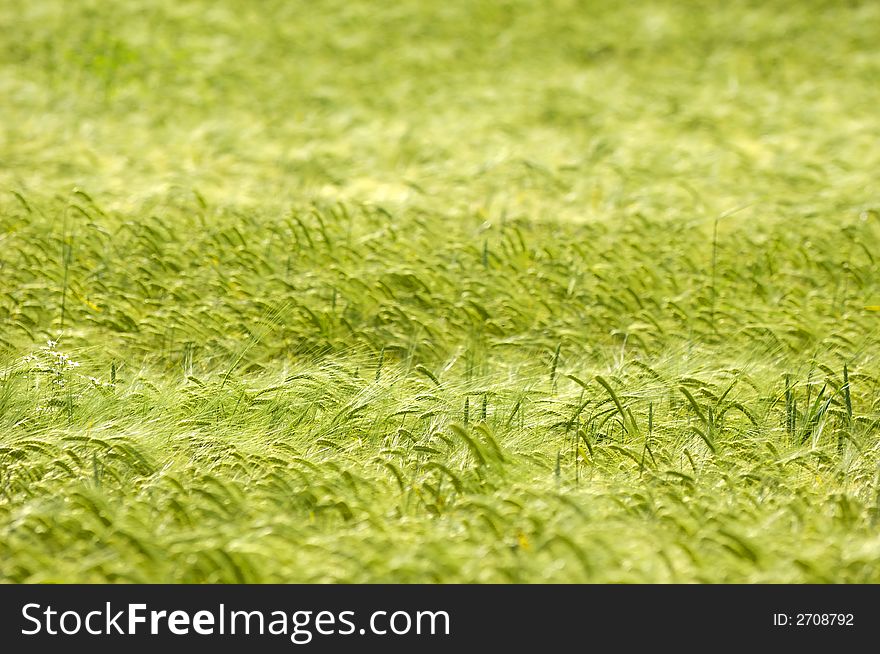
[(453, 291)]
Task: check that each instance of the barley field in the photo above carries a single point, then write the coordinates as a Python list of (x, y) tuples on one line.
[(514, 291)]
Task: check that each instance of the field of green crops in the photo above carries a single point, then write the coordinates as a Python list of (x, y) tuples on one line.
[(453, 291)]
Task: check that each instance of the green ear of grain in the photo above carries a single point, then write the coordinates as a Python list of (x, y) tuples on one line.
[(494, 449), (577, 380), (475, 449), (614, 398), (379, 363), (706, 439), (427, 373), (694, 405)]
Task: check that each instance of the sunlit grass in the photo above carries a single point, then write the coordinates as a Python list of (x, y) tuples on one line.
[(469, 292)]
